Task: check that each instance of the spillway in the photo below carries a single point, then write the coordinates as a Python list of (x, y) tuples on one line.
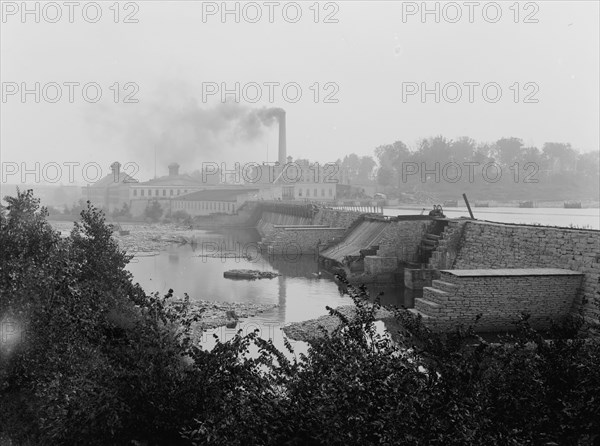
[(363, 236)]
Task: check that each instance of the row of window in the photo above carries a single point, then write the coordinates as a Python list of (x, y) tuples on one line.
[(157, 192), (205, 206)]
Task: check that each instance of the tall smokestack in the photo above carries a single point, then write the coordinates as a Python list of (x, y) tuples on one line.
[(282, 138)]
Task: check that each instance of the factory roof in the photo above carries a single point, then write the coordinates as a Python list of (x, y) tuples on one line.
[(110, 180), (174, 180)]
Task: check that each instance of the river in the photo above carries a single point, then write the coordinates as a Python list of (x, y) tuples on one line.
[(588, 218), (300, 292)]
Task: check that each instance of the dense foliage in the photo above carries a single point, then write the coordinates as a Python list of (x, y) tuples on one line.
[(97, 361)]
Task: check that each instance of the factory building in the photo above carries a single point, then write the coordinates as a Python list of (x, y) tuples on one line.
[(216, 201), (164, 189), (294, 181), (116, 189)]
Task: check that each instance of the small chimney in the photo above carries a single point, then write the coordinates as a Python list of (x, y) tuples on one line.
[(282, 138), (116, 170), (173, 169)]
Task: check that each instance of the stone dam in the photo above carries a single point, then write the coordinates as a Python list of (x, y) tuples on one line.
[(465, 267)]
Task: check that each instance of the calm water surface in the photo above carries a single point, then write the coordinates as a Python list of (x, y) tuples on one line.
[(299, 292), (583, 218)]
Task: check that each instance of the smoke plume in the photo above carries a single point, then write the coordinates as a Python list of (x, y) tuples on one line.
[(182, 131)]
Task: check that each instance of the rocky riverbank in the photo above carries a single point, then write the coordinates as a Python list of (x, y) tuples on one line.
[(313, 328), (144, 238), (155, 237), (249, 274), (217, 314)]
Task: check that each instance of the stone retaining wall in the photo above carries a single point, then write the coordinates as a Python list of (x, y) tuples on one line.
[(500, 298), (401, 239), (336, 218), (380, 265), (281, 237), (268, 221), (495, 245), (292, 242)]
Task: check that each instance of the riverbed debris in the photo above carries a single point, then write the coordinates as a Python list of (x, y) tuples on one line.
[(249, 274), (314, 328), (213, 314), (227, 255)]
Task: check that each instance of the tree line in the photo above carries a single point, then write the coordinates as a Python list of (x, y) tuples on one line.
[(504, 170)]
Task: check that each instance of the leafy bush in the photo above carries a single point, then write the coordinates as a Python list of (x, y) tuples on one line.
[(356, 386), (101, 362)]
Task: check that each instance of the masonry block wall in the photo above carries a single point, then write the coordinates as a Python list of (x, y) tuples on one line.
[(401, 239), (292, 242), (380, 265), (282, 239), (495, 245), (268, 220), (336, 218), (501, 298)]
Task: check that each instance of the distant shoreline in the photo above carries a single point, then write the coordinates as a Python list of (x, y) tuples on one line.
[(498, 204)]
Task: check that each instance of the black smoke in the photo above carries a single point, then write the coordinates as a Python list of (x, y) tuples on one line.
[(183, 131)]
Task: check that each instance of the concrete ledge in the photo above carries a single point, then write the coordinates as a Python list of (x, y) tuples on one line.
[(526, 226), (311, 228), (300, 226), (508, 272)]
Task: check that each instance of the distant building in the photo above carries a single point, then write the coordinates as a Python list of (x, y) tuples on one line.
[(163, 189), (112, 191), (118, 188), (299, 181), (216, 201)]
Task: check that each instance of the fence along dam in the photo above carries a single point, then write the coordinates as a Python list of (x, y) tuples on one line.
[(465, 267)]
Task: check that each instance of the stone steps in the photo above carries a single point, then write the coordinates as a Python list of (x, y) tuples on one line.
[(429, 244), (427, 307), (444, 286), (448, 278), (423, 315), (436, 295)]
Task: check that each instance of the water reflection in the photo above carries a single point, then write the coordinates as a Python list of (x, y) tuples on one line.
[(300, 292)]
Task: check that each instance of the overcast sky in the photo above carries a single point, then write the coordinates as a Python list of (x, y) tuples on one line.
[(365, 61)]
